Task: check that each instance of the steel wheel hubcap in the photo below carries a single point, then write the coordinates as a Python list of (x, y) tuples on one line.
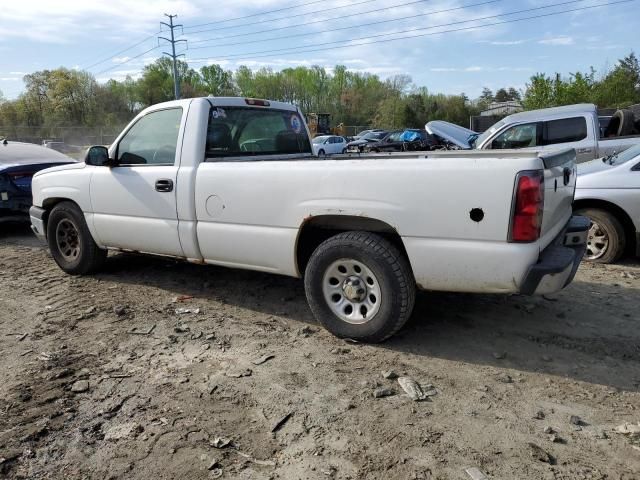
[(67, 240), (597, 242), (352, 291)]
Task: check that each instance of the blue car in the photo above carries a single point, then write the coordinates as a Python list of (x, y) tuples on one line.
[(18, 163)]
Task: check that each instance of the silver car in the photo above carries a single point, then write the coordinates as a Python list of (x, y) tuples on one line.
[(608, 192)]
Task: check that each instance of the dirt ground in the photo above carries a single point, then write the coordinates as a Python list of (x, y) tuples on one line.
[(101, 377)]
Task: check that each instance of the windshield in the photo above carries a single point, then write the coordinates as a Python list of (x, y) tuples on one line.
[(319, 140), (481, 138), (243, 131), (374, 136), (624, 157)]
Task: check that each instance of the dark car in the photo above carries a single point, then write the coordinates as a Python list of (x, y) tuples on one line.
[(408, 140), (371, 137), (18, 163)]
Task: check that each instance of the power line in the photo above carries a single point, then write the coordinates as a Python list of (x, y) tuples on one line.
[(128, 60), (350, 27), (339, 17), (257, 14), (296, 50), (291, 50), (286, 18), (121, 51)]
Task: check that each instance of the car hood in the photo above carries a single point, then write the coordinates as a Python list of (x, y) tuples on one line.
[(594, 166), (453, 133), (355, 143), (60, 168)]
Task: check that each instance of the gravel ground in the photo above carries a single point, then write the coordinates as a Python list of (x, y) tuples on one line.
[(157, 369)]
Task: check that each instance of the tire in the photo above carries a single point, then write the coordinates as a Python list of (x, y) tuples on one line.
[(70, 241), (606, 242), (321, 153), (344, 150), (382, 272), (626, 122)]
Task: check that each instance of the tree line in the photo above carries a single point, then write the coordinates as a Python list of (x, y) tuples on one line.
[(65, 97)]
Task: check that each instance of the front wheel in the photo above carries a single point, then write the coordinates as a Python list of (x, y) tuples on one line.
[(606, 240), (321, 153), (70, 241), (360, 286)]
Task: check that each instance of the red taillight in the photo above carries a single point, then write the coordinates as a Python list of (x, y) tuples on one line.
[(526, 220), (255, 101)]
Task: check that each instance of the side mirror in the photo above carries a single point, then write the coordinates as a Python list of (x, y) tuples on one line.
[(98, 156)]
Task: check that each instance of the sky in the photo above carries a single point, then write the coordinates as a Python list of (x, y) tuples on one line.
[(436, 42)]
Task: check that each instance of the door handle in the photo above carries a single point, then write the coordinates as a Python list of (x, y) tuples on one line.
[(584, 150), (164, 185)]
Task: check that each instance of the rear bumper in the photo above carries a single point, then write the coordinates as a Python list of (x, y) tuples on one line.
[(558, 263), (36, 214)]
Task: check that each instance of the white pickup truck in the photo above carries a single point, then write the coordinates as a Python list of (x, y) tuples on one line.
[(232, 182), (572, 126)]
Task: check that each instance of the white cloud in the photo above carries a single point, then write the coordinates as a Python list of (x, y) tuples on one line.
[(557, 41), (506, 42)]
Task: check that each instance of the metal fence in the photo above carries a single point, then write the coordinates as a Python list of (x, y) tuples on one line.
[(73, 137)]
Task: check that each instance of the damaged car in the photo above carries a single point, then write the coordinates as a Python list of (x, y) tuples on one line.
[(18, 163)]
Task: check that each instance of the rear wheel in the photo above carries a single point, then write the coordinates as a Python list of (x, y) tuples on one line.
[(360, 286), (70, 241), (606, 240)]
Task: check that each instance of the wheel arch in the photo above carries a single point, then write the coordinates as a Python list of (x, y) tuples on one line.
[(49, 203), (618, 212), (316, 229)]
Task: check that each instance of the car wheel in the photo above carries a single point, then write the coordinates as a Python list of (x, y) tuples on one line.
[(606, 241), (344, 150), (70, 241), (321, 153), (360, 286)]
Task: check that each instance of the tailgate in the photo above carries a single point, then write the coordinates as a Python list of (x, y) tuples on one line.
[(559, 189)]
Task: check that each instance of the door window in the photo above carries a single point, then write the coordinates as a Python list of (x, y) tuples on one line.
[(518, 136), (565, 130), (152, 140)]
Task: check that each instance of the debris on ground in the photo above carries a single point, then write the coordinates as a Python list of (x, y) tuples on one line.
[(184, 311), (539, 415), (475, 473), (262, 359), (239, 373), (80, 386), (280, 423), (389, 375), (576, 420), (120, 310), (504, 378), (414, 390), (129, 430), (628, 429), (143, 331), (383, 392), (540, 454), (220, 442)]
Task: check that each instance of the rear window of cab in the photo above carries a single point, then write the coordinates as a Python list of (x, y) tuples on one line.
[(251, 131)]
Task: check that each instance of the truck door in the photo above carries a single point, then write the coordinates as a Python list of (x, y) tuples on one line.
[(134, 203), (570, 133)]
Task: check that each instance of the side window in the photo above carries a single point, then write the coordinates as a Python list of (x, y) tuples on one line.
[(565, 131), (333, 140), (152, 140), (518, 136)]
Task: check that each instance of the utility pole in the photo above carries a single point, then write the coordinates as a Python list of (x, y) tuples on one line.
[(174, 57)]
